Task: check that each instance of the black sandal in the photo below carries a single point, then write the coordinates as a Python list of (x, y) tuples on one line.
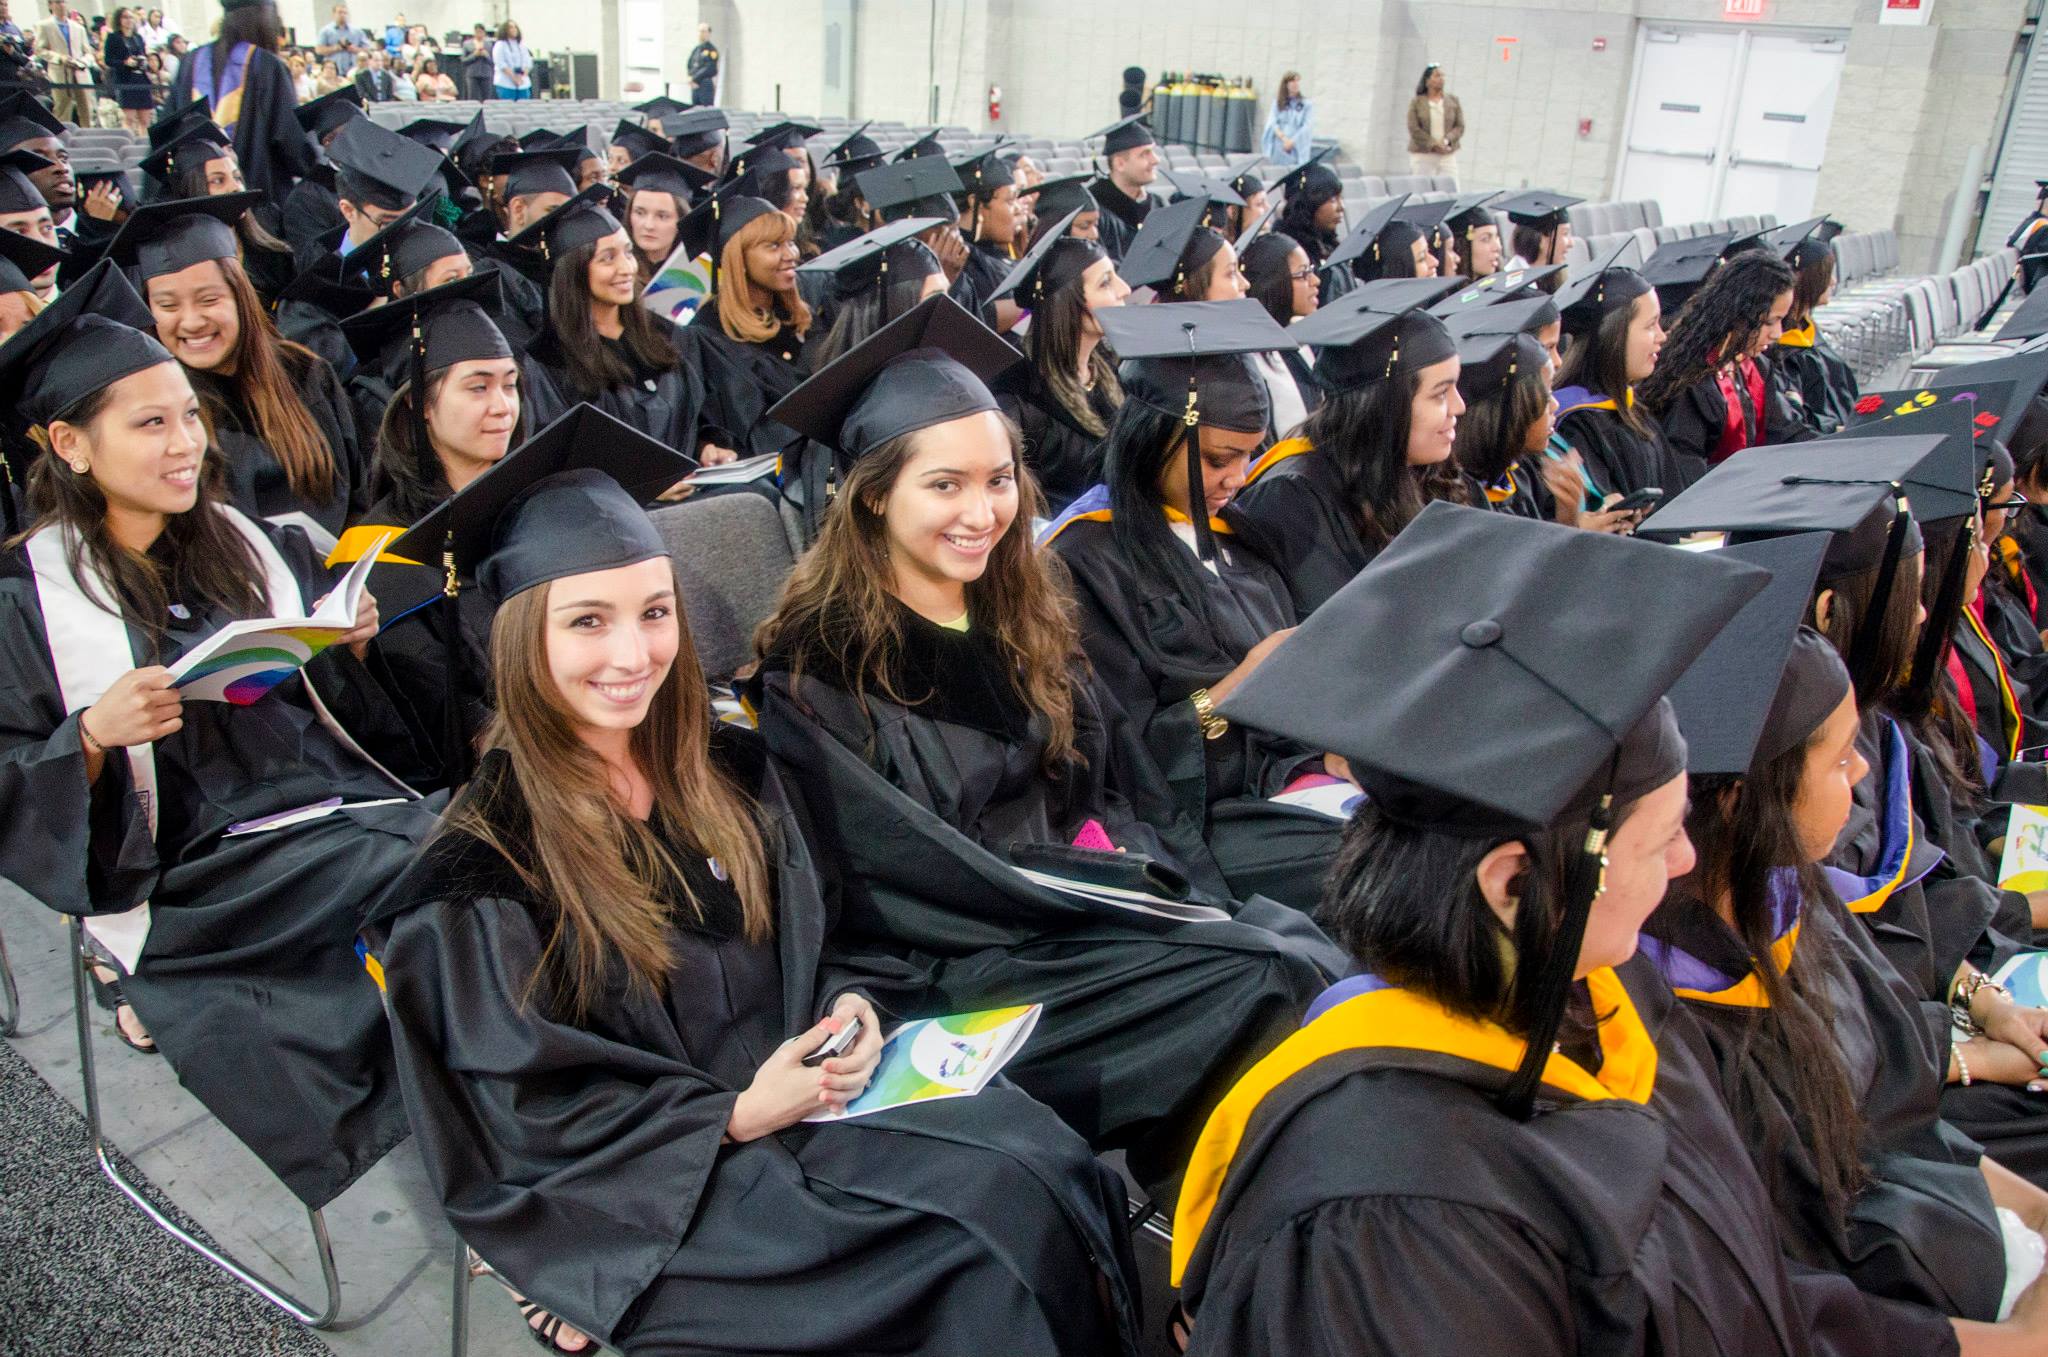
[(544, 1332), (107, 994)]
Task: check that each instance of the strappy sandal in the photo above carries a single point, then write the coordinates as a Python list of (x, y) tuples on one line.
[(107, 994), (551, 1324)]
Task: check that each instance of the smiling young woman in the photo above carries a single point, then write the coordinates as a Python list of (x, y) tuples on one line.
[(745, 347)]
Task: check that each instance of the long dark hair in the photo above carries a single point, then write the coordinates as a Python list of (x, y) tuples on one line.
[(201, 557), (1813, 273), (1744, 832), (1054, 347), (190, 182), (856, 318), (1879, 677), (1422, 83), (1928, 701), (1364, 434), (408, 469), (1491, 431), (1598, 361), (1298, 219), (594, 367), (1134, 455), (1266, 276), (1718, 322), (256, 24)]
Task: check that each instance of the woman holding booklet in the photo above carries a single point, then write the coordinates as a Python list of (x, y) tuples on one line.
[(609, 1033), (220, 854)]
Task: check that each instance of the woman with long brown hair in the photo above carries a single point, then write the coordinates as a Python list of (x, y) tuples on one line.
[(745, 347), (922, 675), (274, 408), (633, 1001), (199, 163)]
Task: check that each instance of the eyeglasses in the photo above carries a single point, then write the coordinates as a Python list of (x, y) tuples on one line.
[(1302, 275)]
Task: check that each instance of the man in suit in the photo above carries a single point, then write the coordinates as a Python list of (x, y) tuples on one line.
[(373, 79), (703, 69), (66, 50)]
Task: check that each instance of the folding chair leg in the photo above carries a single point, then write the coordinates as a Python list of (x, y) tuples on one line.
[(10, 997), (458, 1341), (311, 1318)]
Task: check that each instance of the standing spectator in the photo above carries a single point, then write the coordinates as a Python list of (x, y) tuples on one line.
[(511, 64), (394, 36), (434, 87), (10, 30), (125, 55), (174, 56), (703, 69), (154, 33), (476, 65), (1435, 125), (1290, 131), (66, 49), (251, 91), (302, 77), (340, 39), (374, 80)]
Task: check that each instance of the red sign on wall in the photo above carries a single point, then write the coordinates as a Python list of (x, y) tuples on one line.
[(1742, 9)]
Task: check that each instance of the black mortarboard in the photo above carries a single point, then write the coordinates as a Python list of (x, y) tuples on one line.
[(1467, 702), (469, 151), (167, 237), (1499, 289), (540, 139), (1524, 316), (1055, 261), (23, 259), (446, 325), (376, 166), (1543, 209), (925, 147), (1428, 216), (696, 130), (931, 365), (983, 172), (887, 253), (2019, 377), (485, 531), (2030, 321), (579, 221), (910, 188), (330, 111), (661, 106), (434, 133), (1253, 231), (1242, 181), (1594, 292), (1126, 134), (200, 143), (1063, 196), (97, 331), (1970, 411), (1470, 212), (750, 170), (18, 192), (1171, 242), (1375, 330), (23, 118), (1363, 240), (1827, 485), (638, 140), (662, 172), (548, 170), (1766, 683), (407, 243), (1312, 177), (1490, 364), (1195, 184), (577, 139), (166, 130), (856, 152), (1780, 240), (784, 136)]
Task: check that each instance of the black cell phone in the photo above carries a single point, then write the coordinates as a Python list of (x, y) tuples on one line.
[(1642, 500), (839, 1043)]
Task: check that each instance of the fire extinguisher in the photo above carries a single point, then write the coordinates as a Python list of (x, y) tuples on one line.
[(995, 103)]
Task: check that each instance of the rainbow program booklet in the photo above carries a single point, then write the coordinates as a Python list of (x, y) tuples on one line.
[(934, 1058), (244, 660), (2026, 976), (2024, 865)]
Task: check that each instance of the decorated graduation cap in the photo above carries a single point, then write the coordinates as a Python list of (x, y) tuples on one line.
[(875, 260), (1608, 286), (2006, 386), (330, 112), (931, 365), (18, 192), (662, 172), (1190, 360), (1055, 261), (1470, 212), (407, 244), (1499, 289), (1466, 702), (1312, 178), (1489, 365), (23, 259), (696, 130), (1125, 134), (199, 144), (550, 169), (1195, 184), (1064, 196), (377, 167), (1363, 240), (167, 237), (1170, 244), (1969, 410), (638, 140), (1375, 331), (784, 136), (581, 220), (1541, 209), (856, 152), (910, 188), (1766, 682)]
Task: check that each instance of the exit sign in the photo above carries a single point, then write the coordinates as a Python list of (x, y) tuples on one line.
[(1742, 9)]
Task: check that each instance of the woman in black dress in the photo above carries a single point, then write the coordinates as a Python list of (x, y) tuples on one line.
[(125, 58)]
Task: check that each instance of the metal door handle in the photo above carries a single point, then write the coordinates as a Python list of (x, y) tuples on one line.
[(1734, 160), (1680, 155)]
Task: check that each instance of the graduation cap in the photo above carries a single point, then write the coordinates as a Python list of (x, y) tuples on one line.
[(717, 217), (1374, 331), (1056, 260), (856, 152), (97, 331), (750, 170), (1257, 228), (168, 129), (407, 244), (1499, 289), (1364, 238), (1428, 217), (2030, 321), (1195, 184), (1969, 409), (1469, 213), (2025, 372), (878, 258), (1678, 269), (1489, 364), (330, 112), (1190, 360), (469, 151), (925, 147), (199, 144), (1467, 702), (1063, 196), (530, 172), (1592, 293), (539, 139), (1524, 316), (904, 188), (577, 139), (1243, 182), (1543, 209), (324, 288), (931, 365), (784, 136), (23, 119), (1126, 134), (581, 220), (166, 237), (662, 172), (983, 172), (377, 167), (1766, 683), (661, 107), (1780, 240), (437, 133), (23, 259), (638, 141), (18, 192), (1312, 177), (696, 130), (1170, 244), (439, 328)]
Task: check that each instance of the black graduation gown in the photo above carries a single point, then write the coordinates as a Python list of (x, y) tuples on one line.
[(1622, 460), (1816, 380), (663, 403), (918, 807), (1597, 1227), (1694, 421), (1520, 491), (1292, 510), (584, 1159), (980, 273), (274, 150), (256, 479), (739, 382), (248, 982), (312, 209), (1121, 216), (85, 239), (2013, 630), (1152, 645), (1065, 457), (1922, 1228)]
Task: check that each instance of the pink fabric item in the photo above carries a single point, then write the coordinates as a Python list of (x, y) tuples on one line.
[(1094, 836)]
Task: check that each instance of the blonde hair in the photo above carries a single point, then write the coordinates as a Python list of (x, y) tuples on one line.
[(741, 314)]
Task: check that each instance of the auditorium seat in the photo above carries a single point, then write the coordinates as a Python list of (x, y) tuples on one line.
[(731, 553)]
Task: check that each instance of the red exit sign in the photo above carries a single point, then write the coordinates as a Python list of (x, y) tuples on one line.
[(1742, 9)]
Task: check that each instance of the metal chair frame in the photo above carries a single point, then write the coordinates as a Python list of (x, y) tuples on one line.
[(10, 997), (226, 1262)]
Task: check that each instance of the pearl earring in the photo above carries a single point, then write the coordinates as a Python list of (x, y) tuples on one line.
[(79, 467)]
